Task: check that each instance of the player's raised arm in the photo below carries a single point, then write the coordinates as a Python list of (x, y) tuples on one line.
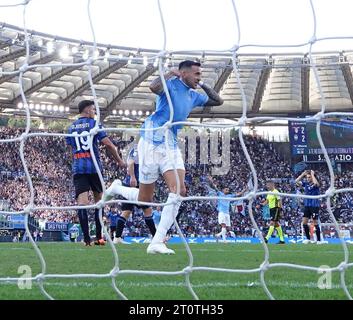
[(212, 184), (113, 151), (300, 177), (156, 85), (213, 97), (314, 178), (240, 193)]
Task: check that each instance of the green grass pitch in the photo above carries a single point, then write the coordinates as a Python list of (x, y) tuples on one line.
[(68, 258)]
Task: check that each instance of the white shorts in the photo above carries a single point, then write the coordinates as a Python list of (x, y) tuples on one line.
[(224, 218), (155, 160)]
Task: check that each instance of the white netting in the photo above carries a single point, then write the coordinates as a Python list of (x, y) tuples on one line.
[(251, 195)]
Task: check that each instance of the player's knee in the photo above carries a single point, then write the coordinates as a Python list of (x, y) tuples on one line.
[(145, 197), (126, 214), (82, 202), (182, 191), (173, 189), (146, 212)]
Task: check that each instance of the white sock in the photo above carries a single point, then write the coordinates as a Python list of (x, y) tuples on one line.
[(129, 193), (224, 233), (167, 219)]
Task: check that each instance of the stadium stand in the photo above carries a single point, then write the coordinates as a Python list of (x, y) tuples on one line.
[(53, 185)]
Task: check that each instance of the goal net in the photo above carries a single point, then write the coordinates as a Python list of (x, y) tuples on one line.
[(159, 59)]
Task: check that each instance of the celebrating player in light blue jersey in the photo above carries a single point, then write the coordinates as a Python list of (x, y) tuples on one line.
[(223, 207), (155, 157)]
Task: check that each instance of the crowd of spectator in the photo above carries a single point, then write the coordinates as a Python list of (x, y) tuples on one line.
[(49, 165)]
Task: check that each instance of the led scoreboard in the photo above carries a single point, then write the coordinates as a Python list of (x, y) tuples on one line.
[(298, 137), (337, 135)]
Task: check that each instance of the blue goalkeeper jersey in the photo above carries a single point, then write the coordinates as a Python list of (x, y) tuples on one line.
[(82, 160), (184, 99)]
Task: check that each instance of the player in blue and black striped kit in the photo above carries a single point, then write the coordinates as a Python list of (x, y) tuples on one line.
[(311, 206), (85, 176)]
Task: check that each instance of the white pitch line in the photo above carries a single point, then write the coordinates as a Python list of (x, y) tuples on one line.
[(261, 251), (217, 284)]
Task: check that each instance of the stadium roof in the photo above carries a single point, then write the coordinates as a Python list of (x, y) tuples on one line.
[(274, 84)]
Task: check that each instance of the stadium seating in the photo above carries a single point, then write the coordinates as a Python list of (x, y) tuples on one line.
[(53, 184)]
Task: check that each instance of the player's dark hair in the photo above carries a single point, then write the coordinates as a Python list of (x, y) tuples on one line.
[(188, 64), (83, 104)]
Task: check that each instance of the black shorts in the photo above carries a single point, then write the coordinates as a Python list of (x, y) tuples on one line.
[(275, 214), (87, 182), (130, 206), (112, 228), (311, 212)]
